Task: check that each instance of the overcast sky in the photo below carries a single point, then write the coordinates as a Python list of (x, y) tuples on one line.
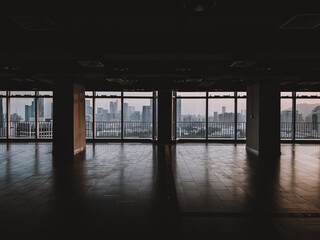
[(188, 106)]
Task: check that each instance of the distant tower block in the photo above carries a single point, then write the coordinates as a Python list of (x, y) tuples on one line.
[(223, 109)]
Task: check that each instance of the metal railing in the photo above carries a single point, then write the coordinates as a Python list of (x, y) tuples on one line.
[(307, 130), (137, 129), (21, 129), (286, 130), (3, 129), (215, 130), (108, 129), (45, 129), (303, 130), (112, 129), (191, 130)]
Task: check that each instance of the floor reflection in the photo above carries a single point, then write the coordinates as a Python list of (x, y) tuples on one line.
[(122, 190), (221, 178)]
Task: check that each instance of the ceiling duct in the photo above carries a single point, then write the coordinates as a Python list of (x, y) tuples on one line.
[(302, 21), (194, 80), (243, 64), (35, 23), (91, 64)]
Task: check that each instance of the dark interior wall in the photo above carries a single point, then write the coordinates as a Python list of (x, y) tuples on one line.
[(69, 120), (253, 112), (63, 121), (269, 118), (263, 118)]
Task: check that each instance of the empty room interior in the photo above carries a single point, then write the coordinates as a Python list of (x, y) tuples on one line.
[(186, 119)]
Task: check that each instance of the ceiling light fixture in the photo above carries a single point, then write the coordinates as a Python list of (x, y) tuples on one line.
[(199, 5)]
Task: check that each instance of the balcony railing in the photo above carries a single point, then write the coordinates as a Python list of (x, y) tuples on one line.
[(215, 130), (3, 129), (112, 129), (304, 130), (286, 130), (21, 129)]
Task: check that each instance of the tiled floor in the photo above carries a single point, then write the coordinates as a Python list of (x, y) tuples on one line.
[(224, 178), (120, 191)]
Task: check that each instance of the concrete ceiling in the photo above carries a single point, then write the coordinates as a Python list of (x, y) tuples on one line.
[(161, 44)]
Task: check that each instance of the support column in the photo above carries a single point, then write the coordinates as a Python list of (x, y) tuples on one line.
[(263, 118), (69, 129), (164, 116)]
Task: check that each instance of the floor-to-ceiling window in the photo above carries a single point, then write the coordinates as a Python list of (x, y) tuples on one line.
[(107, 114), (221, 117), (26, 114), (210, 115), (45, 114), (3, 114), (307, 115), (191, 115), (300, 115), (22, 114), (286, 116), (241, 106), (89, 108), (137, 114), (121, 115)]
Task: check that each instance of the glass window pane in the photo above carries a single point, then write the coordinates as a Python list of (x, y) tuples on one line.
[(109, 94), (221, 118), (241, 117), (3, 93), (307, 118), (137, 115), (286, 130), (191, 94), (22, 117), (137, 94), (191, 118), (3, 116), (108, 117), (22, 93), (45, 112), (308, 94), (89, 117), (89, 93), (221, 94), (45, 93), (286, 94)]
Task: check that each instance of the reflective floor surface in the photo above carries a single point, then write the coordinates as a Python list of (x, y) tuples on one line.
[(123, 191)]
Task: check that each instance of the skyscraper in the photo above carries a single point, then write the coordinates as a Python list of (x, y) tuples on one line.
[(52, 110), (178, 110), (41, 108), (125, 111), (1, 116), (215, 116), (223, 109), (27, 112), (146, 114)]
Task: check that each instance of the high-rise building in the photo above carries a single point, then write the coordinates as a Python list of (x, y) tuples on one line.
[(52, 110), (179, 110), (27, 112), (41, 108), (89, 109), (215, 116), (146, 114), (126, 112), (1, 116), (223, 109)]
